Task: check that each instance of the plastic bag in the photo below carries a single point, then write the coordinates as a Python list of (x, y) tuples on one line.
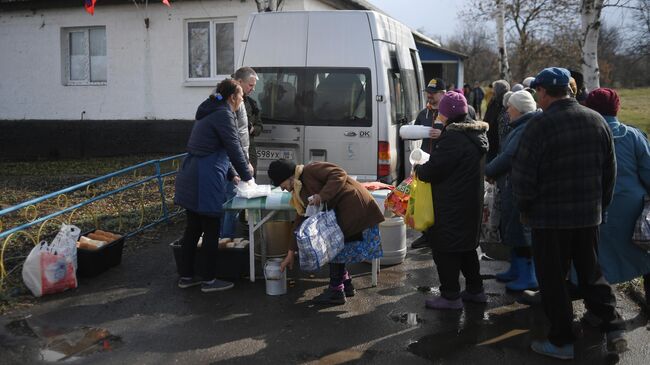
[(51, 268), (491, 217), (641, 234), (250, 190), (319, 240), (419, 213), (397, 200)]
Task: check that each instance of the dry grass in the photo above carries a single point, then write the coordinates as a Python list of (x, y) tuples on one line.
[(635, 107)]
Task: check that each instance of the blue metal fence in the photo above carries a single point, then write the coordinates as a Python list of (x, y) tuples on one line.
[(163, 169)]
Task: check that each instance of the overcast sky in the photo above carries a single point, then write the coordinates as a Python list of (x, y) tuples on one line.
[(439, 18)]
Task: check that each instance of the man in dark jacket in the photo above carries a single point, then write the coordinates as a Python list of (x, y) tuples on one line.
[(434, 90), (563, 179), (456, 173)]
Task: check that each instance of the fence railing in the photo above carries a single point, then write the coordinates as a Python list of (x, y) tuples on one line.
[(127, 201)]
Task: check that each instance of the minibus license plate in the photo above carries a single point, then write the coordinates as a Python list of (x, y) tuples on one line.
[(273, 154)]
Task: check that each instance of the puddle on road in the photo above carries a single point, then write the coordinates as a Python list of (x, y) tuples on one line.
[(507, 326), (65, 344)]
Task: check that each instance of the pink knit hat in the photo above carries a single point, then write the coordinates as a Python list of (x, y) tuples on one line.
[(605, 101), (452, 105)]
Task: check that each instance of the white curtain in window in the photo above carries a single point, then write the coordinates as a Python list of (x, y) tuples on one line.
[(78, 56), (97, 38), (199, 49)]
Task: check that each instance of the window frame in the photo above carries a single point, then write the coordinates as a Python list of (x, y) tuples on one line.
[(214, 77), (66, 57)]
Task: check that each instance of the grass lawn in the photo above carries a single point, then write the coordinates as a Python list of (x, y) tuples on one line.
[(635, 108)]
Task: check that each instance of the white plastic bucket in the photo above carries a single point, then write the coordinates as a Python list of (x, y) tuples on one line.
[(276, 281), (393, 241)]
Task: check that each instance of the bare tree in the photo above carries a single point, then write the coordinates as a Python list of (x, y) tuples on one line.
[(483, 60), (528, 23), (504, 66), (590, 11), (269, 5)]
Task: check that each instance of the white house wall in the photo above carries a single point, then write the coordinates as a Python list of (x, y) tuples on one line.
[(141, 84)]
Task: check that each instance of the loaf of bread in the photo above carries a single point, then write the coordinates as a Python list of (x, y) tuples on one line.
[(114, 236), (85, 241)]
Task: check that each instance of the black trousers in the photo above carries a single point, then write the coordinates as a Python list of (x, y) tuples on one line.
[(197, 225), (450, 265), (554, 251)]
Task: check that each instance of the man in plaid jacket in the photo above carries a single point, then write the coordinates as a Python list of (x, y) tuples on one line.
[(563, 176)]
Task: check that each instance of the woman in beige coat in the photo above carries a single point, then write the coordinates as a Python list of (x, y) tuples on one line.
[(355, 210)]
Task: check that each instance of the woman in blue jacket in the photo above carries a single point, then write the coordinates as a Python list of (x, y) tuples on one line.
[(213, 150), (619, 258), (521, 108)]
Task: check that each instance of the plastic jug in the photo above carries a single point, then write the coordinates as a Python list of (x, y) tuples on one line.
[(276, 281)]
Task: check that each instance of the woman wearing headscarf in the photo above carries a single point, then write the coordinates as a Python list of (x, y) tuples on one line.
[(619, 258), (214, 156), (354, 207), (521, 108), (456, 172), (493, 116)]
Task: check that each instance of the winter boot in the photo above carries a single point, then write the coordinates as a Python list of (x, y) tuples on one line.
[(510, 274), (527, 278)]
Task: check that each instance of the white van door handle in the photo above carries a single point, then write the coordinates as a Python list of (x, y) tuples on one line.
[(350, 134)]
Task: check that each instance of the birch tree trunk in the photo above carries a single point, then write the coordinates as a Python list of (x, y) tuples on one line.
[(590, 16), (504, 67)]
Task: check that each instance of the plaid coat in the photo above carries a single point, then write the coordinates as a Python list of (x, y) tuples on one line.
[(564, 170)]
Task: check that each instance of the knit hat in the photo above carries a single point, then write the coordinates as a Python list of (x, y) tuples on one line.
[(436, 85), (506, 96), (523, 101), (280, 170), (452, 105), (527, 81), (517, 87), (605, 101)]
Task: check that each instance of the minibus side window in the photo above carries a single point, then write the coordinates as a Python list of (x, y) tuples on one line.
[(397, 92)]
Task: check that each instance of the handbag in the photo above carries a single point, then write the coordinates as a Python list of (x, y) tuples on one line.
[(641, 234), (319, 240)]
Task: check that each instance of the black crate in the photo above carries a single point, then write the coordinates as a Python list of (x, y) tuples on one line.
[(232, 263), (94, 262)]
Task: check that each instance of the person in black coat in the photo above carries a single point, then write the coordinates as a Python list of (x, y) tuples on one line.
[(456, 173)]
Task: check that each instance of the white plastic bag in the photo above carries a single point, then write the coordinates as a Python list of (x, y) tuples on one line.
[(249, 189), (312, 209), (491, 215), (51, 268)]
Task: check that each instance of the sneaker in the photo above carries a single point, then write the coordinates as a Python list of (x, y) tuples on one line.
[(330, 297), (216, 285), (547, 348), (475, 298), (186, 282), (420, 242), (439, 302), (616, 341)]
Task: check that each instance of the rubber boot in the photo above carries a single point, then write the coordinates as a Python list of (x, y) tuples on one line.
[(527, 278), (510, 274)]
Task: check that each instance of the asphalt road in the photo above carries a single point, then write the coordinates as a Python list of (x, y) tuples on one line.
[(134, 313)]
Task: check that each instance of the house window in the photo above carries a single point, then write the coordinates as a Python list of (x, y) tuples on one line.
[(210, 49), (84, 56)]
